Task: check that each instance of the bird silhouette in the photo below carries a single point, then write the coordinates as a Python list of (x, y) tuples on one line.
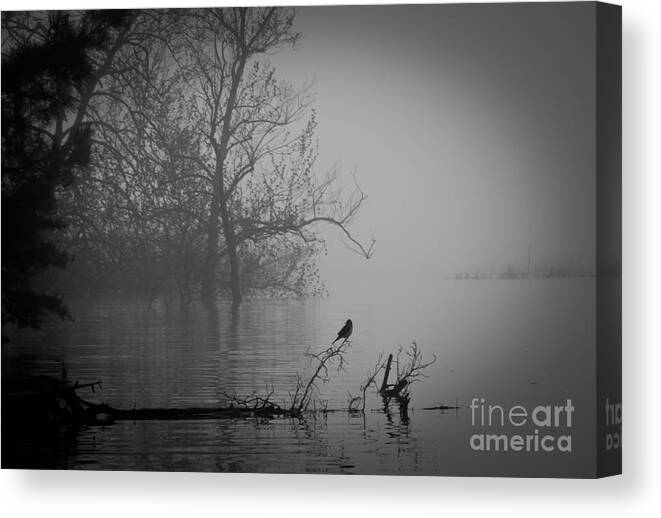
[(345, 332)]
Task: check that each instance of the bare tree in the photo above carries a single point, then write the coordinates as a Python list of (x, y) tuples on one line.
[(245, 116), (408, 370), (370, 380), (140, 210), (203, 165), (48, 70), (301, 397)]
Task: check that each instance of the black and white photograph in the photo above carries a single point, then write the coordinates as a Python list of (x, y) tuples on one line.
[(361, 240)]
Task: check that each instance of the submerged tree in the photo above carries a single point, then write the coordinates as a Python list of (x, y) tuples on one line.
[(48, 71), (201, 161), (204, 172), (237, 108), (136, 214), (259, 170)]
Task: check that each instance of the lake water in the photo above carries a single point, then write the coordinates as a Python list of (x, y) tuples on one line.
[(513, 342)]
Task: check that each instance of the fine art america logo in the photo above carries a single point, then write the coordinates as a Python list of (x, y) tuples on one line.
[(613, 424), (543, 428)]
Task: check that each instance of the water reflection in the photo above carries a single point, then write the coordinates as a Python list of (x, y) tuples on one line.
[(279, 446), (491, 338)]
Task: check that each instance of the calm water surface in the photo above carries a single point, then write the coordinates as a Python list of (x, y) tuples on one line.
[(513, 342)]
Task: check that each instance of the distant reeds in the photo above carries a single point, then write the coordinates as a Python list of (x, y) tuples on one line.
[(518, 272)]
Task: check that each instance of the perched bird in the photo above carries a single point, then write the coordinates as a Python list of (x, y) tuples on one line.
[(345, 332)]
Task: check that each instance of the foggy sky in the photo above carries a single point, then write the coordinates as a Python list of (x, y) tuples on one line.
[(471, 128)]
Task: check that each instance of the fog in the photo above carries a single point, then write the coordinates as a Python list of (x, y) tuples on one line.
[(188, 208), (472, 139)]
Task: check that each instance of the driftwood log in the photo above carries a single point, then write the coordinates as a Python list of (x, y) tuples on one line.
[(56, 401)]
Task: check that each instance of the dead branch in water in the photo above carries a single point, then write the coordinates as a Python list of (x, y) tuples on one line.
[(91, 385), (370, 379), (412, 371), (256, 403), (304, 390), (407, 372), (353, 402), (409, 368), (301, 397)]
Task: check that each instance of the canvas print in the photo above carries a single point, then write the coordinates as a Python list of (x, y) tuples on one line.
[(346, 240)]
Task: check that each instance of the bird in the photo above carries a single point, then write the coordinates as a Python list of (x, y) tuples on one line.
[(345, 332)]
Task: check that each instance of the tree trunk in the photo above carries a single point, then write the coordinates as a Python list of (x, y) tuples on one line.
[(209, 271), (221, 194), (384, 385), (230, 243), (220, 216), (221, 150)]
